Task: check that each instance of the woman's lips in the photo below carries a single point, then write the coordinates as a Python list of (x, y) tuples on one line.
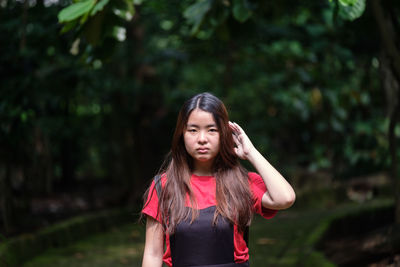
[(202, 150)]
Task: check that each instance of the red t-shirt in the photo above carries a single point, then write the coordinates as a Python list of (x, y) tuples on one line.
[(204, 189)]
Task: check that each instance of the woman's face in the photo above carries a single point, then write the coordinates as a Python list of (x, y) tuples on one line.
[(201, 136)]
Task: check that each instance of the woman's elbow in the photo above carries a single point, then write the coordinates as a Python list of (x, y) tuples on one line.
[(287, 201), (290, 200), (281, 201)]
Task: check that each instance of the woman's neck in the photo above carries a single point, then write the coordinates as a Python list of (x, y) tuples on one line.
[(203, 169)]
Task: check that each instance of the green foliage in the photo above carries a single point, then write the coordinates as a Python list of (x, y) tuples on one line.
[(195, 13), (304, 85), (20, 249), (241, 10), (77, 10), (121, 245), (99, 24), (98, 7), (350, 9), (288, 78)]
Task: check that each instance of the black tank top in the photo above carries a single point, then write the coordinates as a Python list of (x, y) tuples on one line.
[(203, 244)]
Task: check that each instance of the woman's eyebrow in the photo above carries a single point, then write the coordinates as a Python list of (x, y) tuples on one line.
[(211, 125), (197, 126)]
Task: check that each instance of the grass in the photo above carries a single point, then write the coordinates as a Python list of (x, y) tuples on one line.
[(286, 240), (273, 242), (17, 250), (280, 241), (120, 246)]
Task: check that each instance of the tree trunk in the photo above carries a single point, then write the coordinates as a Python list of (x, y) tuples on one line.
[(386, 25), (6, 198), (391, 86), (40, 171), (390, 65), (393, 155), (22, 43)]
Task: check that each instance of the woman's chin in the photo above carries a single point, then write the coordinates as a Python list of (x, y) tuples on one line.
[(203, 159)]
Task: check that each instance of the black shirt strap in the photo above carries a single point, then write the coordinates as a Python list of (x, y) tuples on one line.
[(157, 183)]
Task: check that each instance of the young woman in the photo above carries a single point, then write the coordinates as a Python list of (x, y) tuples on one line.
[(207, 199)]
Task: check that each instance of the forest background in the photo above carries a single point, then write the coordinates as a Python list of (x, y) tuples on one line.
[(90, 95)]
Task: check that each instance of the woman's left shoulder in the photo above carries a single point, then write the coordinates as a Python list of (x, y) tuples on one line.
[(256, 181), (253, 176)]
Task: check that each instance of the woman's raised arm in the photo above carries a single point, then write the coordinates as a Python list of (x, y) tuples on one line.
[(280, 194)]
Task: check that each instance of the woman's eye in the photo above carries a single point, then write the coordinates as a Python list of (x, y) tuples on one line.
[(192, 130), (213, 130)]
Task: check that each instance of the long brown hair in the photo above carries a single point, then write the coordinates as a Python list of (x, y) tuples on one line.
[(233, 196)]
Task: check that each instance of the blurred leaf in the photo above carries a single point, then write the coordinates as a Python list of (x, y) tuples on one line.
[(240, 10), (75, 10), (124, 9), (131, 7), (74, 50), (124, 14), (316, 98), (341, 113), (351, 9), (69, 26), (99, 6), (195, 13), (348, 2), (84, 18), (117, 32)]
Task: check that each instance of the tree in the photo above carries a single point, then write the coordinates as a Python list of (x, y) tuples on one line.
[(208, 18), (84, 110), (387, 16)]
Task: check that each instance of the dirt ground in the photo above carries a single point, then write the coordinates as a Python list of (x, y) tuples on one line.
[(373, 248)]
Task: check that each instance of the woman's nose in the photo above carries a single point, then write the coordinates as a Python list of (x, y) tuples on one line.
[(202, 137)]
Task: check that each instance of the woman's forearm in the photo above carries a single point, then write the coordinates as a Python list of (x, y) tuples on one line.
[(151, 260), (280, 194), (154, 244)]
